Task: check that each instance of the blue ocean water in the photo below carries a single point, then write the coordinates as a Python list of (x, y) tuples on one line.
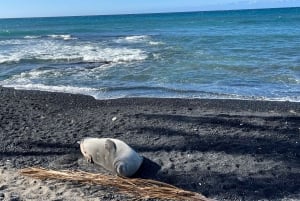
[(245, 54)]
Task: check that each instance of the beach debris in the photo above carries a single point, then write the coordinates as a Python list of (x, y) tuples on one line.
[(114, 119), (134, 187)]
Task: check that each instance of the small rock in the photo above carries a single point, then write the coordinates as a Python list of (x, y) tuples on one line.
[(156, 138)]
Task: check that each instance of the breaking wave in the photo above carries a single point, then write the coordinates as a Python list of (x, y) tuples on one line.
[(138, 39), (64, 89), (53, 36), (57, 50)]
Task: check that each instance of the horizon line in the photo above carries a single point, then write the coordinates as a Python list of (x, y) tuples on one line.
[(151, 13)]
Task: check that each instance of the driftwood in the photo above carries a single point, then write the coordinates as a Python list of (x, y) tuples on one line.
[(135, 187)]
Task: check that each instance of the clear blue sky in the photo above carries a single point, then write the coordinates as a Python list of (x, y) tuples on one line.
[(39, 8)]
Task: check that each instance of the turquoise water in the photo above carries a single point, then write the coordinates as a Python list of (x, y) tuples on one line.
[(247, 54)]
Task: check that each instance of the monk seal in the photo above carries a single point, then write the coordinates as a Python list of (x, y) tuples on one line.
[(112, 154)]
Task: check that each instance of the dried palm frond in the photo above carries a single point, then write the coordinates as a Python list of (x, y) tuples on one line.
[(136, 187)]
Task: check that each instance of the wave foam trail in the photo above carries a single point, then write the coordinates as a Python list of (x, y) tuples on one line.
[(53, 36), (115, 55), (32, 81), (132, 39), (138, 39), (9, 59), (64, 89), (32, 37), (62, 36), (58, 50)]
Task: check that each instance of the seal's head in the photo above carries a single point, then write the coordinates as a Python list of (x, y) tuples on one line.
[(84, 151)]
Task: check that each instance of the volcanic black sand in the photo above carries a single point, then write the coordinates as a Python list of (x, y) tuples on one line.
[(223, 149)]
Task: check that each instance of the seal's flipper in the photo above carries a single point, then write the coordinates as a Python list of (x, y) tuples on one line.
[(121, 169), (89, 159), (110, 146)]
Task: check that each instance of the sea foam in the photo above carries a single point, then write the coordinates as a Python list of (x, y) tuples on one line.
[(133, 39), (138, 39), (64, 89), (58, 50), (32, 37), (62, 36)]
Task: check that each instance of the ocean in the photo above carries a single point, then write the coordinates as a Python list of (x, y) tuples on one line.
[(242, 54)]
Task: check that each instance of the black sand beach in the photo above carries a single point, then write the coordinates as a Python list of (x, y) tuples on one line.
[(224, 149)]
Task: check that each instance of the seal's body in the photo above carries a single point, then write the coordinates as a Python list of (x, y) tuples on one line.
[(112, 154)]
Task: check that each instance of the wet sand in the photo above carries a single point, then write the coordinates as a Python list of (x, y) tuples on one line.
[(223, 149)]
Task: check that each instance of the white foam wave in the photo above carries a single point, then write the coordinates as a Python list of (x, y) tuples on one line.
[(62, 36), (115, 55), (133, 39), (58, 50), (11, 42), (35, 74), (54, 36), (156, 43), (32, 37), (28, 79), (96, 93), (9, 59), (138, 39), (64, 89), (31, 81)]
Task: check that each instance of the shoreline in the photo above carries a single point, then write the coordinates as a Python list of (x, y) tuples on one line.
[(230, 97), (223, 149), (37, 92)]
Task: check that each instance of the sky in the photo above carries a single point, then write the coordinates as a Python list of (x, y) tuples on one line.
[(48, 8)]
